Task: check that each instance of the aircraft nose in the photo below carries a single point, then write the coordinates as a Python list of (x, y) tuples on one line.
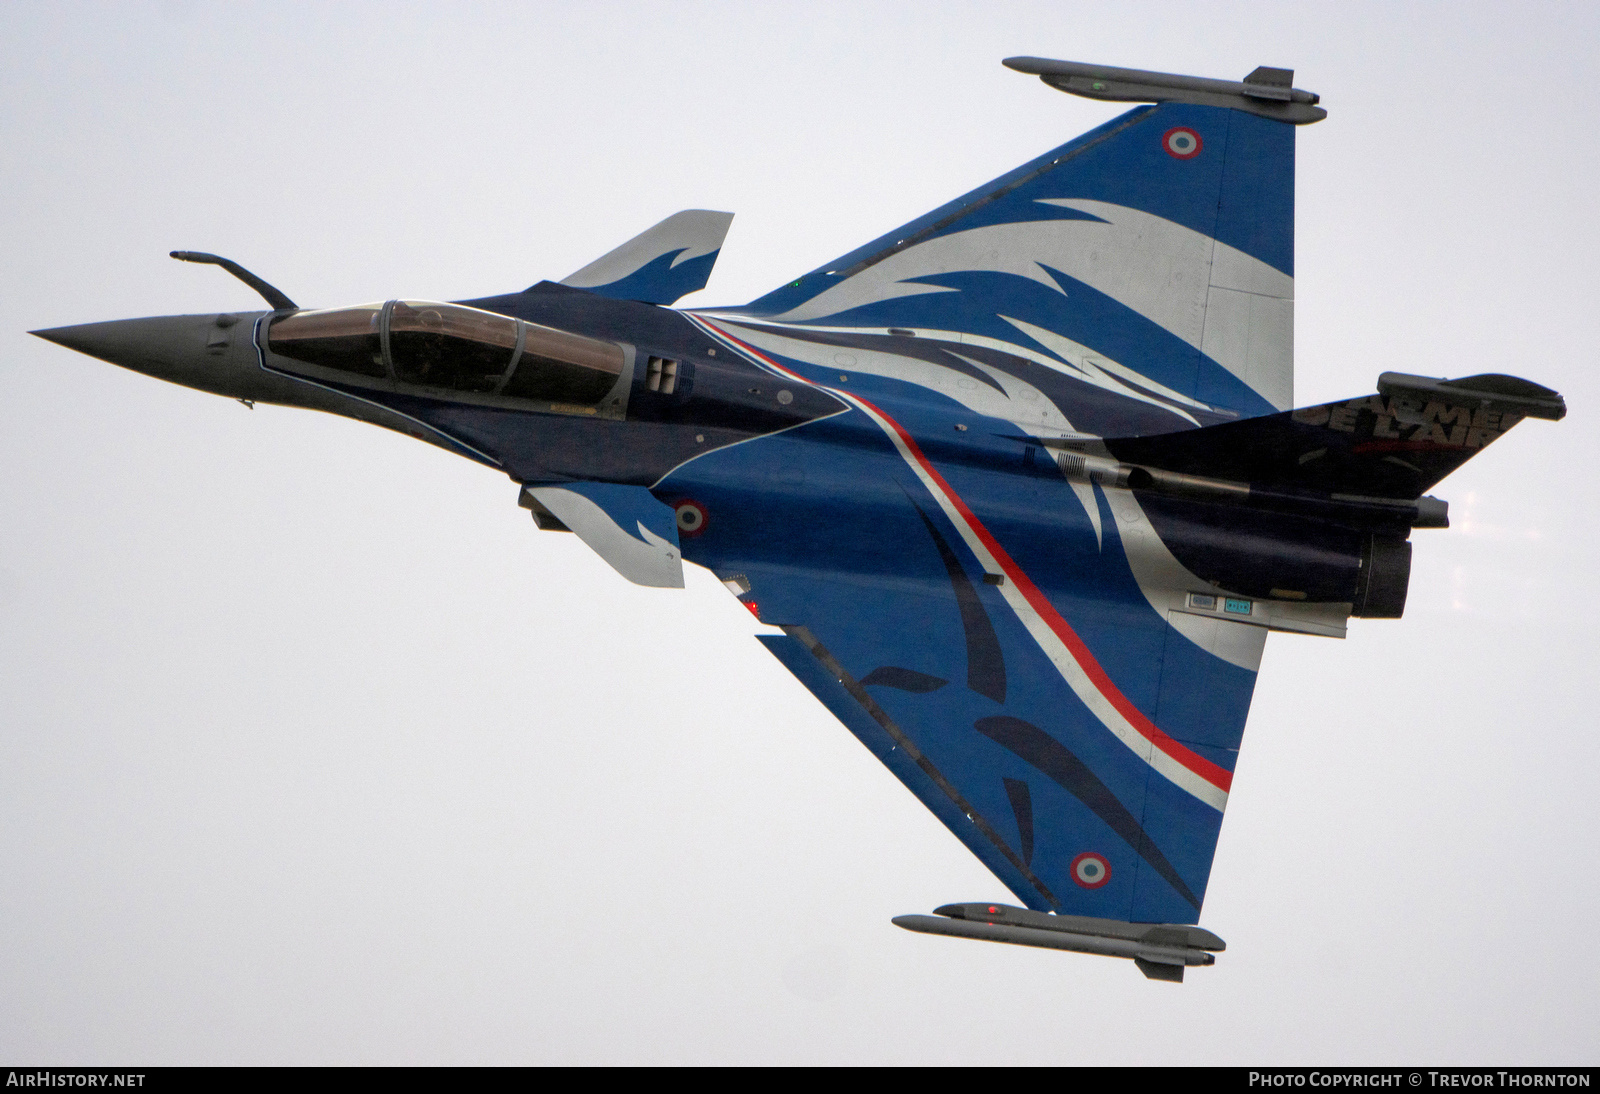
[(208, 352)]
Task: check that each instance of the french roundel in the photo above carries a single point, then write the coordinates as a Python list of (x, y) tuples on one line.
[(1091, 870), (691, 517), (1181, 143)]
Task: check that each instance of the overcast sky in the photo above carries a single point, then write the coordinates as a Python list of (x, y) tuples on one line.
[(314, 750)]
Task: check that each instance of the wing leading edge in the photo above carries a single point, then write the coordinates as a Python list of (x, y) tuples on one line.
[(1157, 249)]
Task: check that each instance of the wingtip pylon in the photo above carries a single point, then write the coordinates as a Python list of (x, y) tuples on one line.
[(1266, 92), (1160, 950)]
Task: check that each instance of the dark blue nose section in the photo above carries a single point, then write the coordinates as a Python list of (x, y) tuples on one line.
[(214, 353)]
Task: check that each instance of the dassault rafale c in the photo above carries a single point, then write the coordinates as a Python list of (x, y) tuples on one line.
[(1022, 482)]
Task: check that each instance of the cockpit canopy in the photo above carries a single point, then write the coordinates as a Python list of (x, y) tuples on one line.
[(452, 348)]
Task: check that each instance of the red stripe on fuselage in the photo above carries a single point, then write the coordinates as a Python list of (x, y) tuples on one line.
[(1214, 774)]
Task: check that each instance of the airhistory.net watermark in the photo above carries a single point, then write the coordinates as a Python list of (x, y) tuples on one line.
[(52, 1077)]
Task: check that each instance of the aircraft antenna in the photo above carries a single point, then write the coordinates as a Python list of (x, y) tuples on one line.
[(271, 295)]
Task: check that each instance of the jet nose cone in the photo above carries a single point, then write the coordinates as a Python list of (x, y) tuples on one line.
[(145, 345), (81, 338), (199, 351)]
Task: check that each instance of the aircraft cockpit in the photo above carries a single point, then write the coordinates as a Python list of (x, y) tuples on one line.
[(440, 348)]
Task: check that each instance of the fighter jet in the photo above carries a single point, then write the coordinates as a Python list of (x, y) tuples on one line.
[(1021, 482)]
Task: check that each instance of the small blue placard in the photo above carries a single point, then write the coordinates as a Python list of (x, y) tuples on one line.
[(1237, 607), (1201, 600)]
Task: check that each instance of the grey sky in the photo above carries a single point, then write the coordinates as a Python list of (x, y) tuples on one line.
[(314, 750)]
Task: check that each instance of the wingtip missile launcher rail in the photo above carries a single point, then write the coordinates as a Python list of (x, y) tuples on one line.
[(1160, 950), (1265, 92)]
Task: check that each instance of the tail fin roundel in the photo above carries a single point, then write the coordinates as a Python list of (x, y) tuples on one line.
[(1161, 243)]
